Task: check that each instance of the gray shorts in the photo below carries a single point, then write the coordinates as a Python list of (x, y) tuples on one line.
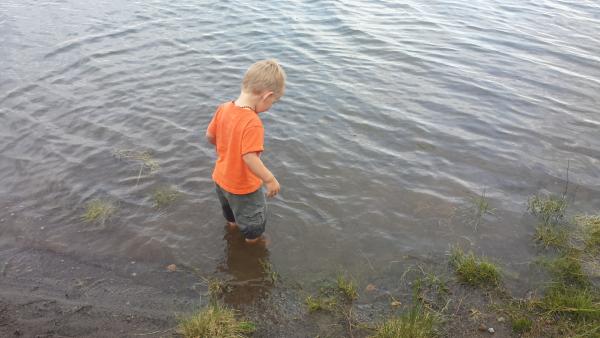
[(248, 211)]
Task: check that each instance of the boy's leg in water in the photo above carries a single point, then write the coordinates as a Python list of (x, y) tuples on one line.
[(227, 212), (250, 212)]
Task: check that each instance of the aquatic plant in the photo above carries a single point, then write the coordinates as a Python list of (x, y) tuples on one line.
[(590, 228), (214, 321), (143, 157), (347, 287), (551, 236), (418, 322), (481, 206), (549, 209), (98, 210), (165, 196), (473, 270), (320, 303), (267, 267)]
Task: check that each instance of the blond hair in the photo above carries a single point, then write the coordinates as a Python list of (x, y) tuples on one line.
[(264, 76)]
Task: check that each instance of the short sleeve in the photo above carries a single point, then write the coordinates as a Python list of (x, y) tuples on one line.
[(212, 126), (252, 139)]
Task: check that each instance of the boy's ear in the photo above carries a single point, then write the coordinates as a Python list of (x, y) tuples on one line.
[(266, 95)]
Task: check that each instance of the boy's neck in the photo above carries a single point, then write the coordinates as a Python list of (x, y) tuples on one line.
[(247, 100)]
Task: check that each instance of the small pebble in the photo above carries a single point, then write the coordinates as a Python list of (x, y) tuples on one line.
[(501, 319), (491, 330), (134, 274), (42, 228)]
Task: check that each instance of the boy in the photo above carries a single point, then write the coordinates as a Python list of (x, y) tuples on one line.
[(237, 132)]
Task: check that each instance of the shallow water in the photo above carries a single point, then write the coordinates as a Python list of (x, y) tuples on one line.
[(396, 116)]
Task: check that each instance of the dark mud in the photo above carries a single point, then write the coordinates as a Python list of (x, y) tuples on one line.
[(44, 293)]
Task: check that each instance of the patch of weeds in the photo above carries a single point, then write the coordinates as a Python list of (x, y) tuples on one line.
[(216, 288), (214, 321), (347, 287), (143, 157), (418, 322), (98, 211), (165, 196), (574, 302), (481, 205), (473, 270), (567, 269), (550, 209), (521, 324), (590, 226), (267, 267), (431, 289), (320, 303), (551, 236)]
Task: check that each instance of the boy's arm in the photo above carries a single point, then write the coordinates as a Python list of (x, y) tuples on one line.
[(212, 128), (256, 165), (211, 138)]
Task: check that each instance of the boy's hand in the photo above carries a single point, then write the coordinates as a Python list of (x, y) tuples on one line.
[(272, 187)]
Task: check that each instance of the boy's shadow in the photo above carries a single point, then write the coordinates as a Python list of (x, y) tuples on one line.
[(247, 264)]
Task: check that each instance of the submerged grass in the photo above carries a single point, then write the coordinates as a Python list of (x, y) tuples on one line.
[(143, 157), (214, 321), (550, 209), (347, 287), (165, 196), (473, 270), (481, 205), (267, 268), (320, 303), (99, 211)]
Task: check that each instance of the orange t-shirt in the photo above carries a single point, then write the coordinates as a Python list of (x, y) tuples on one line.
[(237, 131)]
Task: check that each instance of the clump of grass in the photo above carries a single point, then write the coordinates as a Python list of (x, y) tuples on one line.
[(216, 288), (214, 321), (473, 270), (574, 302), (347, 287), (99, 211), (550, 209), (521, 324), (267, 267), (551, 236), (143, 157), (416, 323), (165, 196), (567, 269), (481, 205), (590, 225), (320, 303)]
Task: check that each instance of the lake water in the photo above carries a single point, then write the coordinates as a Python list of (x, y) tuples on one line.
[(397, 115)]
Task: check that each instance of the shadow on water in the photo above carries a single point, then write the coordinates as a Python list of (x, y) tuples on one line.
[(245, 264)]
